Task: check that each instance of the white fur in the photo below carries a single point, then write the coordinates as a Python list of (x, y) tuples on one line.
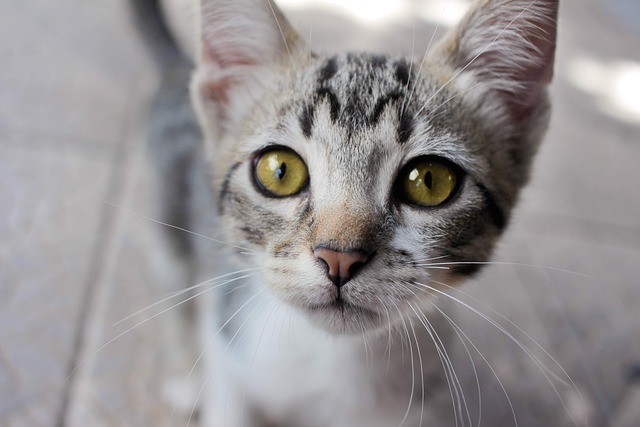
[(284, 363)]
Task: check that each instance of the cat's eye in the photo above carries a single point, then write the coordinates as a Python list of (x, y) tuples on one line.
[(428, 182), (280, 172)]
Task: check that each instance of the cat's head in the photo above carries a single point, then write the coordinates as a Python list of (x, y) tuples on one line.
[(364, 179)]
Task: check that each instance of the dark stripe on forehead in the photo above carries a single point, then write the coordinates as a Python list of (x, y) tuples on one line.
[(326, 93), (328, 70), (378, 61), (402, 71), (224, 191), (382, 104), (405, 123), (306, 119), (405, 127)]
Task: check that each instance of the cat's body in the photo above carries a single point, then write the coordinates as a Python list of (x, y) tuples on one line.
[(352, 190)]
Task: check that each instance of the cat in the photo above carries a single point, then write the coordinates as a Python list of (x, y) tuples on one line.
[(347, 193)]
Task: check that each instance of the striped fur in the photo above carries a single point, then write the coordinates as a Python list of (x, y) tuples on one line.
[(479, 101)]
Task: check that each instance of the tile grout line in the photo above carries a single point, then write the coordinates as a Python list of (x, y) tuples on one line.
[(104, 250)]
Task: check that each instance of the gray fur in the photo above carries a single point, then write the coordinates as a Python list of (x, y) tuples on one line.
[(355, 120)]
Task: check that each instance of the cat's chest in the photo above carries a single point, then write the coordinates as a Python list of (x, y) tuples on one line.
[(302, 376)]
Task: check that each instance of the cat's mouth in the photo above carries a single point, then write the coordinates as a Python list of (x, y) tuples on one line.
[(342, 316)]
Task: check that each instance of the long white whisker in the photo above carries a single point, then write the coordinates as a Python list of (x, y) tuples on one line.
[(495, 324), (568, 380), (504, 390), (432, 114), (473, 365), (421, 370), (548, 374), (284, 38), (142, 322), (460, 71), (448, 365), (413, 374), (366, 346), (199, 285), (245, 250), (441, 356), (203, 352), (195, 403), (388, 349), (516, 264), (264, 327), (424, 58), (181, 292), (413, 49)]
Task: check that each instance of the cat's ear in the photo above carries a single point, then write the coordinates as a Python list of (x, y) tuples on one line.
[(240, 40), (505, 48)]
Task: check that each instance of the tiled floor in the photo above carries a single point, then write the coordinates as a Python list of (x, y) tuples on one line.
[(75, 86)]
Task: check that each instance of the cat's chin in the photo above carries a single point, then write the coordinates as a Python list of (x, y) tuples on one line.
[(344, 318)]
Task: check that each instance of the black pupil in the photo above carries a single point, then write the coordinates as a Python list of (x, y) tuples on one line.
[(428, 180), (282, 170)]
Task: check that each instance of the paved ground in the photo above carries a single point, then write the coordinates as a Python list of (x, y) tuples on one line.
[(75, 87)]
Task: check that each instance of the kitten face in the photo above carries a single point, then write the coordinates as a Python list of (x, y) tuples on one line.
[(356, 143)]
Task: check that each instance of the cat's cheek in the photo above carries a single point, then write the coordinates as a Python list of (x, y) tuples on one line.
[(408, 240)]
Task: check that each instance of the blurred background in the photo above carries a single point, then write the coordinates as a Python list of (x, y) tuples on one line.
[(79, 250)]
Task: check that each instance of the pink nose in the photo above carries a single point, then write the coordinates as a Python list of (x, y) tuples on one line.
[(341, 266)]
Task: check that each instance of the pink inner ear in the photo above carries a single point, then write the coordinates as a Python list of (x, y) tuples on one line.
[(216, 89), (224, 58)]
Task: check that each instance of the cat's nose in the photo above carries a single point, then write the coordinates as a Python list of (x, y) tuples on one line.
[(341, 265)]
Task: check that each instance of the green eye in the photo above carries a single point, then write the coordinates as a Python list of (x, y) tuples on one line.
[(428, 182), (281, 173)]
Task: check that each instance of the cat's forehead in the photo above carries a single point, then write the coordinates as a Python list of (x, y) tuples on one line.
[(364, 74), (366, 104), (358, 89)]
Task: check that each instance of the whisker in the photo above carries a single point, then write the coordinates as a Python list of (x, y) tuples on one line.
[(199, 285), (246, 251), (203, 352), (516, 264), (567, 382), (421, 363), (504, 390), (366, 345), (183, 291), (546, 372), (473, 365), (195, 403), (413, 374), (142, 322), (413, 50), (460, 71), (500, 328), (432, 114), (445, 359), (264, 327), (387, 350), (284, 38), (426, 259), (424, 58)]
